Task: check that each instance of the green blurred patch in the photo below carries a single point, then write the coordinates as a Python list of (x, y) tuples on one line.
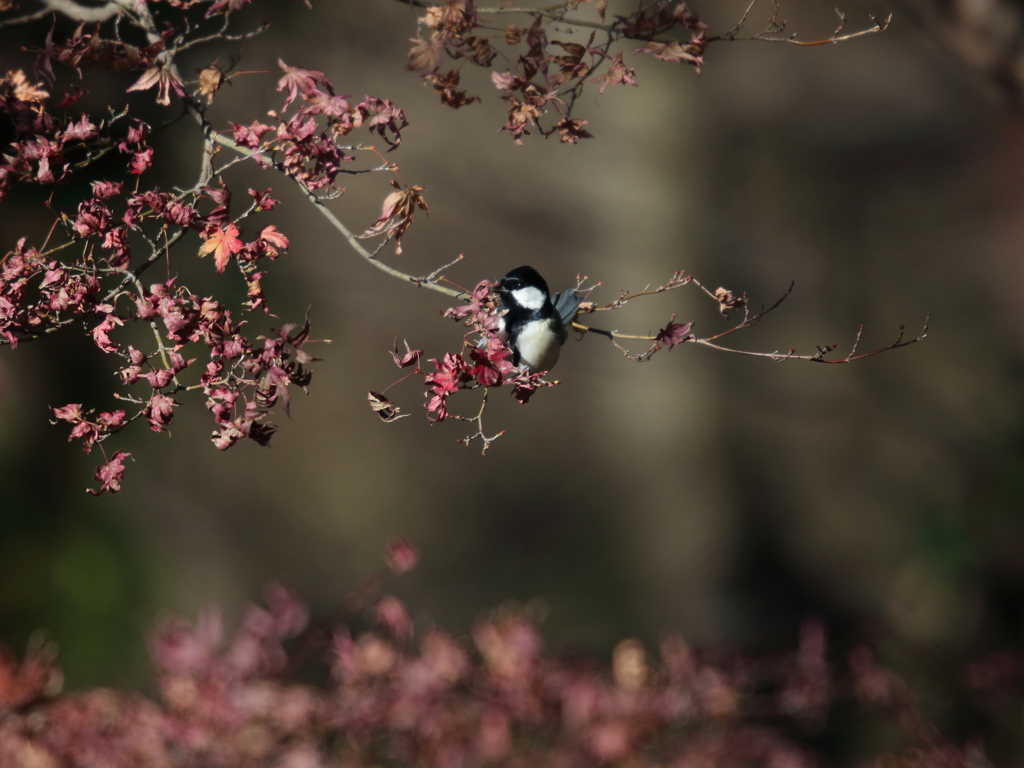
[(88, 576)]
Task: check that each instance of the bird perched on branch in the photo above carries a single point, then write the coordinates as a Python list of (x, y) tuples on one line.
[(534, 325)]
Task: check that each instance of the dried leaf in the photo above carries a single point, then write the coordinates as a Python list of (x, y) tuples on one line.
[(727, 301), (396, 213), (426, 54), (211, 78), (445, 85), (617, 74), (384, 408)]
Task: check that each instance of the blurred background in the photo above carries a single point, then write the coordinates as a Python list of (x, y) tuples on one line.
[(724, 497)]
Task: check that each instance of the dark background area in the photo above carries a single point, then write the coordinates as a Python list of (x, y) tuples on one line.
[(724, 497)]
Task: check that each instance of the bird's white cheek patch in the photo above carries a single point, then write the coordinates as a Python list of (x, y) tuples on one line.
[(530, 298)]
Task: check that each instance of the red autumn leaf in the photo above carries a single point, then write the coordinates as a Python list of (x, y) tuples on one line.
[(411, 356), (99, 333), (298, 80), (164, 80), (271, 235), (674, 334), (142, 160), (109, 475), (70, 99), (159, 411), (250, 136), (71, 412), (160, 378), (223, 243)]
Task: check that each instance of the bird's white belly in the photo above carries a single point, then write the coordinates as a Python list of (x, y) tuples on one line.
[(538, 347)]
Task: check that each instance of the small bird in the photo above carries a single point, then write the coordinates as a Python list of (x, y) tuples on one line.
[(534, 325)]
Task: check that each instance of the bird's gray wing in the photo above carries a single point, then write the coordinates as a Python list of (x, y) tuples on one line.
[(566, 304)]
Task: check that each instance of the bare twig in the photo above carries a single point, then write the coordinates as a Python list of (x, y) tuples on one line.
[(479, 421), (820, 355), (615, 30), (775, 26), (678, 280), (749, 319), (731, 34), (436, 274), (222, 35)]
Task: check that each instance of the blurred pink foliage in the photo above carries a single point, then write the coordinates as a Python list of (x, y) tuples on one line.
[(377, 697)]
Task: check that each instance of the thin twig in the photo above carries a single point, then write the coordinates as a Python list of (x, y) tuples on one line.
[(748, 321), (436, 274), (479, 421), (731, 34), (222, 35)]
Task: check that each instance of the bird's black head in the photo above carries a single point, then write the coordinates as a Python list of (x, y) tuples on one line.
[(523, 277)]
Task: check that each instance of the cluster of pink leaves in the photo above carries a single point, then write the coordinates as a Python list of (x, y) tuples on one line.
[(307, 144), (540, 78), (41, 143), (482, 363), (118, 234), (241, 381), (394, 693), (309, 151), (39, 293)]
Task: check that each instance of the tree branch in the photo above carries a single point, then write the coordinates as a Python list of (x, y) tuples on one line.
[(149, 25)]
